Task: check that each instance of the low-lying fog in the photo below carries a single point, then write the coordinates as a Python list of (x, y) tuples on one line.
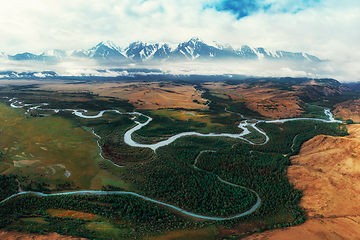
[(342, 71)]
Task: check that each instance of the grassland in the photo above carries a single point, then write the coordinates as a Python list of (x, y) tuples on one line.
[(313, 111), (45, 149)]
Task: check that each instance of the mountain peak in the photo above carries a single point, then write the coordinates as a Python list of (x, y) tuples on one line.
[(193, 49), (140, 51), (195, 40), (3, 55), (57, 53), (137, 43), (109, 44)]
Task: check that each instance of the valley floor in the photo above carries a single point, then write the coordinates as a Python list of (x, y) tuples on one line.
[(186, 173)]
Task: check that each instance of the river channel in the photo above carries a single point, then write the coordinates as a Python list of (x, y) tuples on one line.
[(244, 125)]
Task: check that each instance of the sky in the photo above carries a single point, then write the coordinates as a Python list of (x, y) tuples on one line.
[(328, 29)]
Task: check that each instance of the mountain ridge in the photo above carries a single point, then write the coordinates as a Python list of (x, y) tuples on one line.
[(193, 50)]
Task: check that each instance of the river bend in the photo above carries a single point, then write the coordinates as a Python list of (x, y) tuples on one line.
[(244, 125)]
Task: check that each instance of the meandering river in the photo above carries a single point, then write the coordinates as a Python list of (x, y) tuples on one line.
[(244, 125)]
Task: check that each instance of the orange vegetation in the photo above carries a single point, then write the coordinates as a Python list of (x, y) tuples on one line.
[(263, 98), (348, 110), (143, 95), (327, 171), (316, 229), (4, 235), (185, 234), (72, 214)]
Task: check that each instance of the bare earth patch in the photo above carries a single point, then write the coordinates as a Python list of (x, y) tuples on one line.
[(23, 163)]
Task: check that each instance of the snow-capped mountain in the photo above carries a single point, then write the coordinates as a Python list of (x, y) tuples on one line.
[(52, 56), (48, 56), (56, 53), (24, 56), (3, 55), (260, 53), (141, 51), (106, 50), (79, 54), (193, 50), (246, 52), (162, 52)]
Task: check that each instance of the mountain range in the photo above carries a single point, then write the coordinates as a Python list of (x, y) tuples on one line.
[(194, 49)]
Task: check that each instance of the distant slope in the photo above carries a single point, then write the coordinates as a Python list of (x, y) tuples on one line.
[(277, 97)]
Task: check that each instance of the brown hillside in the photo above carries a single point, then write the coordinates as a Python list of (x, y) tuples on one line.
[(263, 98), (316, 229), (276, 99), (327, 171), (143, 95), (348, 110)]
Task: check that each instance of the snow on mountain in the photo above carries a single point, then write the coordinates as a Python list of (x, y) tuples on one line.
[(226, 47), (311, 58), (140, 51), (79, 54), (110, 45), (24, 56), (163, 52), (246, 52), (262, 53), (3, 55), (106, 51), (171, 46), (194, 49), (56, 53)]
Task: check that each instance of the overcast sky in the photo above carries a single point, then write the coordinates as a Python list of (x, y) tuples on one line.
[(328, 29)]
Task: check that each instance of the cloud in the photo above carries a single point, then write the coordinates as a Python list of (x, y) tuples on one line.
[(325, 28), (39, 25)]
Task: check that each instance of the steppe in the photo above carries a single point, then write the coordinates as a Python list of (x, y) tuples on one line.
[(143, 95)]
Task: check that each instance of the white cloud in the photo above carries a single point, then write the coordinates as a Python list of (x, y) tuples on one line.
[(327, 29)]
